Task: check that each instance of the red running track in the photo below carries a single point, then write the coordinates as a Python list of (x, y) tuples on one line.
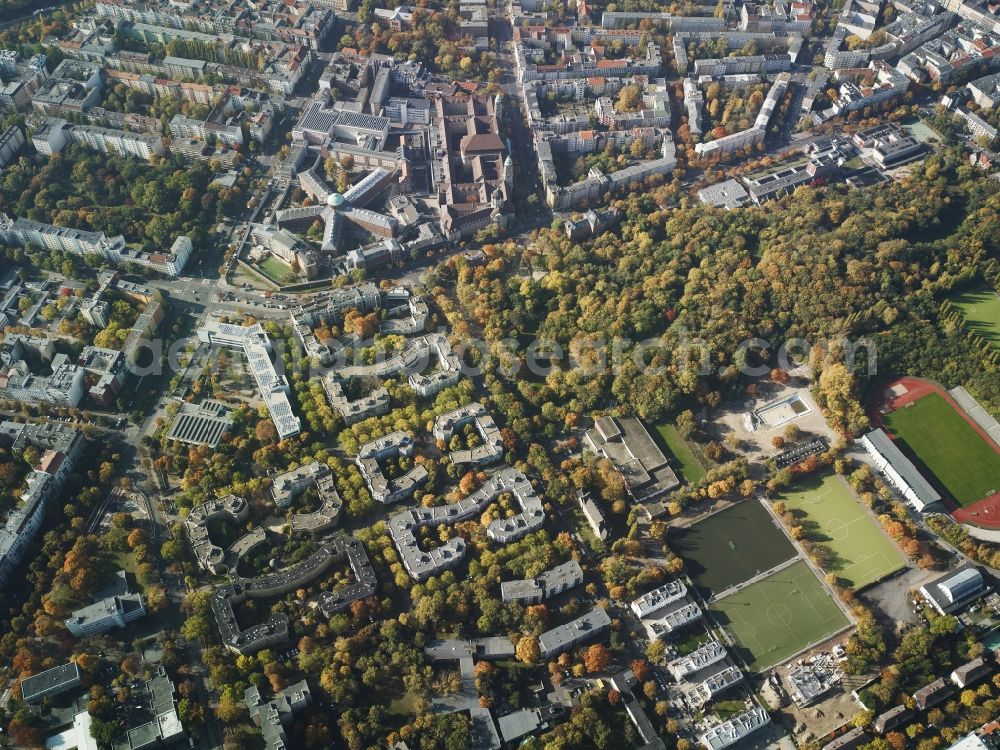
[(985, 512)]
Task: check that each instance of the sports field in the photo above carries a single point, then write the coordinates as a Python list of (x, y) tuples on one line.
[(862, 554), (779, 616), (275, 268), (964, 463), (981, 309), (731, 546), (691, 468)]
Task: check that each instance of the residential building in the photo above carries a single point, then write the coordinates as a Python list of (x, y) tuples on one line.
[(706, 655), (490, 448), (289, 485), (593, 514), (49, 137), (120, 142), (983, 739), (383, 488), (274, 715), (734, 729), (108, 366), (745, 140), (11, 141), (666, 609), (850, 740), (583, 629), (971, 672), (275, 630), (63, 387), (742, 64), (421, 564), (25, 232), (74, 86), (711, 685), (546, 584), (892, 719), (60, 447), (932, 694), (375, 403), (19, 79)]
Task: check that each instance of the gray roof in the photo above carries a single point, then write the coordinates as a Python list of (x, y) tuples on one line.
[(971, 671), (50, 682), (903, 466), (932, 694), (727, 194), (627, 443), (566, 636), (888, 720), (516, 725), (950, 590), (545, 584), (849, 740), (202, 424)]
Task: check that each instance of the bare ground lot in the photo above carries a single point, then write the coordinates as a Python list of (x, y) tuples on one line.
[(891, 596), (730, 419)]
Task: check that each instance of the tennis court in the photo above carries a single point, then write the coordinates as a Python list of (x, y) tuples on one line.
[(862, 553), (962, 461), (731, 546), (779, 616)]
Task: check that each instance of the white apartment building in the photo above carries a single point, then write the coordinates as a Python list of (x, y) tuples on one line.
[(257, 348), (11, 141), (121, 142)]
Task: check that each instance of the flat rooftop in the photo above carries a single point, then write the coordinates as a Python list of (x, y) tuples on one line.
[(625, 441), (50, 682)]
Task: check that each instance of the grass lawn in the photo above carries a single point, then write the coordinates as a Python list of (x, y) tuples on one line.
[(275, 268), (862, 553), (725, 709), (677, 447), (691, 643), (981, 309), (123, 561), (731, 546), (403, 706), (779, 616), (965, 464), (586, 533)]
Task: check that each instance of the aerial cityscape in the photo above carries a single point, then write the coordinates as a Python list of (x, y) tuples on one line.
[(492, 374)]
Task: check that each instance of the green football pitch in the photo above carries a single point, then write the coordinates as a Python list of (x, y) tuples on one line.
[(981, 309), (861, 552), (780, 615), (275, 268), (731, 546), (964, 463)]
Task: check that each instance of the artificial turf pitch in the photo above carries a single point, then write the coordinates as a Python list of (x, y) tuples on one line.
[(779, 616), (962, 461), (861, 552), (731, 546)]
